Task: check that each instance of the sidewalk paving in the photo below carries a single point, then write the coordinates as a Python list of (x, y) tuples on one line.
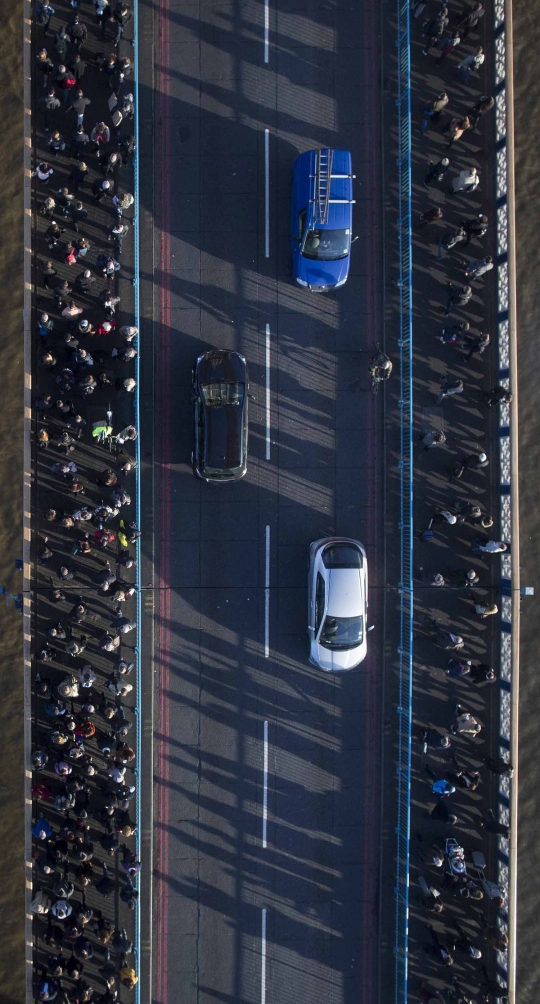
[(470, 427), (88, 819)]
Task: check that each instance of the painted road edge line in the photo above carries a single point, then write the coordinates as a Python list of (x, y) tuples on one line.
[(266, 193), (263, 956), (265, 786), (267, 379), (267, 594)]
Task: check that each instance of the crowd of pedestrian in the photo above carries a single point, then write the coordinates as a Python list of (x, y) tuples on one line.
[(462, 907), (84, 752)]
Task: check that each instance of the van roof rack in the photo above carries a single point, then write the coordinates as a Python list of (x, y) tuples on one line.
[(323, 179)]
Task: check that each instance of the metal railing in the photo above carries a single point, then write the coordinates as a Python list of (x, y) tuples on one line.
[(508, 480), (406, 504), (138, 514)]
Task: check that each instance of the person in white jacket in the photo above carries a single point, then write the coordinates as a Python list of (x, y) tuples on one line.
[(466, 181)]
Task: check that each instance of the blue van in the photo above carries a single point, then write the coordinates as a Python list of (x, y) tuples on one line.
[(321, 219)]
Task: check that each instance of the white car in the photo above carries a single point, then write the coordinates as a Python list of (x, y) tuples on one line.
[(337, 603)]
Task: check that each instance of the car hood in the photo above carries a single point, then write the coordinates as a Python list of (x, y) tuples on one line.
[(340, 661), (223, 441), (323, 273)]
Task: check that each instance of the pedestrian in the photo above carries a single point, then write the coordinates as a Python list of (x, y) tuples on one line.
[(47, 208), (122, 15), (498, 765), (485, 610), (449, 388), (430, 216), (49, 104), (478, 345), (486, 546), (448, 241), (78, 31), (465, 724), (466, 181), (79, 139), (77, 67), (78, 215), (109, 302), (129, 384), (494, 937), (473, 462), (433, 438), (79, 171), (470, 20), (100, 137), (456, 668), (476, 227), (129, 432), (45, 325), (114, 161), (439, 949), (478, 267), (434, 29), (454, 334), (101, 188), (491, 825), (56, 143), (128, 145), (43, 172), (448, 44), (85, 280), (470, 64), (456, 128), (42, 15), (122, 202), (64, 81), (45, 64), (482, 106), (109, 267), (109, 69), (465, 944), (447, 640), (79, 104), (499, 395), (117, 233), (128, 976), (458, 296), (482, 672), (436, 172), (444, 516), (82, 246), (103, 13)]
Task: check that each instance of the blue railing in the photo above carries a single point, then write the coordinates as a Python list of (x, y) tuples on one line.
[(136, 284), (406, 504)]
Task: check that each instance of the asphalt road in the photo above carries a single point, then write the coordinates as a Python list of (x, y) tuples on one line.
[(251, 903)]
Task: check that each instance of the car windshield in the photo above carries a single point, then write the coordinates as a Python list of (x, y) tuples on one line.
[(219, 395), (341, 556), (342, 632), (327, 245)]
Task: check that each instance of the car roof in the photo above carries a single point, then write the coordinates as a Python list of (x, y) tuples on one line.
[(339, 214), (345, 597)]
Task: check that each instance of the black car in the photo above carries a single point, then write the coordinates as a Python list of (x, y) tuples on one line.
[(220, 386)]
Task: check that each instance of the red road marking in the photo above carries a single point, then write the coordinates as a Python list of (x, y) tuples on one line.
[(164, 559)]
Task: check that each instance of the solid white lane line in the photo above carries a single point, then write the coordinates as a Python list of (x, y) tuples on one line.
[(267, 373), (263, 957), (266, 30), (267, 596), (267, 193), (265, 786)]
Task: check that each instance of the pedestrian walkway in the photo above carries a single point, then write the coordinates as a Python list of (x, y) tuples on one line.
[(84, 460), (458, 912)]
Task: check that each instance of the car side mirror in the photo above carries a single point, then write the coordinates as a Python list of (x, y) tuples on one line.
[(371, 627), (355, 239)]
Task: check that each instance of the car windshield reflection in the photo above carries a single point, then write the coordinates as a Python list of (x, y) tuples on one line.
[(220, 395), (342, 632), (327, 245)]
